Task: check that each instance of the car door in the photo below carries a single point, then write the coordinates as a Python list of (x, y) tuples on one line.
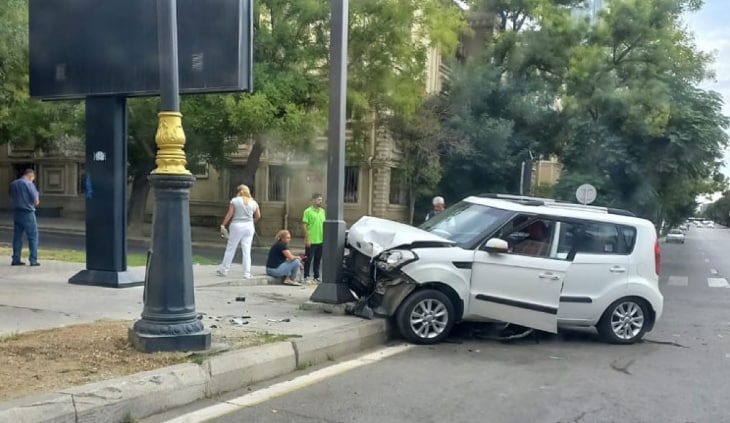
[(519, 285), (599, 270)]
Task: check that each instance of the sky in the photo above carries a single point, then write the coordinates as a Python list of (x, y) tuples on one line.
[(712, 34)]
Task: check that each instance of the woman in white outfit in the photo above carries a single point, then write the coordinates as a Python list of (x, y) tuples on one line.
[(242, 213)]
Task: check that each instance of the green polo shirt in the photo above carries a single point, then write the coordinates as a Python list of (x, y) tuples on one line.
[(314, 219)]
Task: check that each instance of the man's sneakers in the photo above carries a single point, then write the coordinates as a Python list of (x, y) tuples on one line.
[(35, 264), (220, 272)]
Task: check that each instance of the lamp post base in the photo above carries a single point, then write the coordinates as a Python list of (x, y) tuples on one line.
[(169, 337), (332, 293), (169, 321), (104, 278)]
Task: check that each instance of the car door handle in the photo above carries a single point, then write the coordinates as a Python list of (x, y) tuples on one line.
[(617, 269), (551, 276)]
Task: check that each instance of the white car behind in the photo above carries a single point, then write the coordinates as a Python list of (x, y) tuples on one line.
[(675, 235)]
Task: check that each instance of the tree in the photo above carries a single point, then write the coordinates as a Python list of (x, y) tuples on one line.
[(617, 102), (504, 102), (423, 141), (25, 121), (719, 211), (639, 127)]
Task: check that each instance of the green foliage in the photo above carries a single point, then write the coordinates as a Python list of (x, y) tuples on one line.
[(719, 211), (24, 121), (423, 141), (617, 101), (638, 125)]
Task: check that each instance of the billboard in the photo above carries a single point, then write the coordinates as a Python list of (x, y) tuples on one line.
[(81, 48)]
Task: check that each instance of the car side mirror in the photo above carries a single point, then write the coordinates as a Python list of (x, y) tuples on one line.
[(496, 245)]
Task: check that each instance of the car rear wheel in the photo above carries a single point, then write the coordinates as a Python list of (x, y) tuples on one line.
[(425, 317), (624, 321)]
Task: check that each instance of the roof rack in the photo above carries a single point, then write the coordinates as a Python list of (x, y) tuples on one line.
[(549, 202)]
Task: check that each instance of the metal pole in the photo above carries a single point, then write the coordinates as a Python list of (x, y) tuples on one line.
[(522, 178), (169, 321), (331, 290)]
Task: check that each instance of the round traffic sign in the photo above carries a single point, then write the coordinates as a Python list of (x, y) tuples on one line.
[(586, 194)]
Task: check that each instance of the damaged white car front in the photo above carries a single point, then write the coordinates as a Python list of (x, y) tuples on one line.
[(419, 276), (379, 250)]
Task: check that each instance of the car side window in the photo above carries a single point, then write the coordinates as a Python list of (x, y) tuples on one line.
[(600, 238), (568, 238), (529, 236)]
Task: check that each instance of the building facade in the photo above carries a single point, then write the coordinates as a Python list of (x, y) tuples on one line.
[(283, 183)]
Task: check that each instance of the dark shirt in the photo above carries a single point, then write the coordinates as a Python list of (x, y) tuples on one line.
[(431, 213), (23, 195), (276, 255)]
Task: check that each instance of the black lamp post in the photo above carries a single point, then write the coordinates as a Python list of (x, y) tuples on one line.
[(169, 321)]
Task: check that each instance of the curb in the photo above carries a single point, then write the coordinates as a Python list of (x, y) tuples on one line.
[(144, 394)]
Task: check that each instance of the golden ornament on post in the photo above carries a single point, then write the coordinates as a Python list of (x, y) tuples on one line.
[(170, 139)]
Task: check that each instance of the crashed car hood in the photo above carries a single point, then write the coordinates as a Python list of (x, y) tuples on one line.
[(373, 235)]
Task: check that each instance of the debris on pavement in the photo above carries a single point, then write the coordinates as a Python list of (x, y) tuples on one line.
[(279, 320), (238, 321), (241, 299)]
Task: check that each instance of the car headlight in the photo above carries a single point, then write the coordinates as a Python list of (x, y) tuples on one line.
[(393, 259)]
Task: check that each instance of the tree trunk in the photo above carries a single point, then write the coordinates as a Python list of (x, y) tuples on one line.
[(247, 173), (137, 204), (252, 162), (411, 206)]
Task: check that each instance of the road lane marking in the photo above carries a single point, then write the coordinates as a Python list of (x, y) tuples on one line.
[(717, 283), (714, 271), (283, 388), (678, 281)]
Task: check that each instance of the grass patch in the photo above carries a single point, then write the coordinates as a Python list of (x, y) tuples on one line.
[(80, 256), (9, 337), (303, 366)]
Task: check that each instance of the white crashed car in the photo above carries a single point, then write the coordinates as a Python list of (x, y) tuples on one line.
[(675, 235), (534, 263)]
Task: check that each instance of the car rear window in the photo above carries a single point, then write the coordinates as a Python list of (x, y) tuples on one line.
[(601, 238), (629, 238)]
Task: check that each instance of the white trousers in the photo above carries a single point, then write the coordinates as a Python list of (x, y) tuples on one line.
[(239, 233)]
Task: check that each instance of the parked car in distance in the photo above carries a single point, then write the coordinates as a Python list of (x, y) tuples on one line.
[(675, 235), (531, 262)]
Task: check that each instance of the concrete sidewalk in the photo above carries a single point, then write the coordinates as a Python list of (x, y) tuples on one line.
[(201, 235), (40, 298)]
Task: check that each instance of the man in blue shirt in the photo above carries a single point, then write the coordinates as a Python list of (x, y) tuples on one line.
[(24, 197)]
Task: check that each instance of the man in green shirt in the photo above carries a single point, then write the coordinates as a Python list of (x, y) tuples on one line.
[(313, 228)]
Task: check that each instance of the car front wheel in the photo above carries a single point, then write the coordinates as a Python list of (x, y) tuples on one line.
[(624, 321), (425, 317)]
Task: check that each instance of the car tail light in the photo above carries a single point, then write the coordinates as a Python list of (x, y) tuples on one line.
[(657, 256)]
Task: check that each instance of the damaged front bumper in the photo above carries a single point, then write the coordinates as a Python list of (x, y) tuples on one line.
[(379, 289)]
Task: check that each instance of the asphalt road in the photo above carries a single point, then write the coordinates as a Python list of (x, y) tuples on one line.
[(78, 242), (679, 374)]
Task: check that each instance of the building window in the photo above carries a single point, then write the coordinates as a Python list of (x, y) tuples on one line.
[(277, 183), (398, 191), (352, 183)]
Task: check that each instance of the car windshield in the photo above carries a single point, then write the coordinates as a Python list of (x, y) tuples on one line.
[(466, 223)]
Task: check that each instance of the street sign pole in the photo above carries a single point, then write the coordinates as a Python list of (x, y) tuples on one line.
[(332, 290)]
